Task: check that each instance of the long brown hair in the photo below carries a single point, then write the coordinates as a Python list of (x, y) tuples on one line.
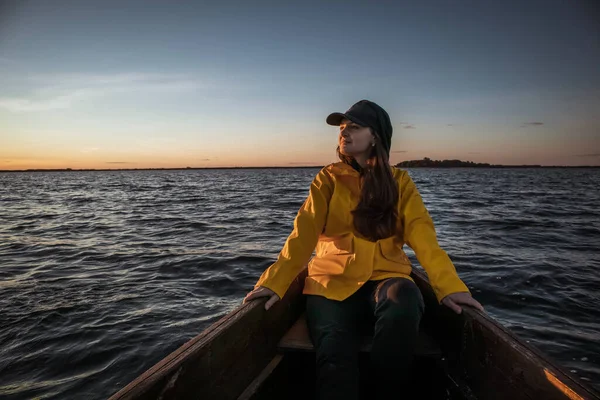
[(376, 215)]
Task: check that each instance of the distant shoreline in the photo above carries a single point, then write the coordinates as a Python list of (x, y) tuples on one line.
[(295, 167), (429, 163), (424, 163)]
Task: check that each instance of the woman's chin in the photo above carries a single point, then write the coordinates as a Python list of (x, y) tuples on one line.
[(346, 151)]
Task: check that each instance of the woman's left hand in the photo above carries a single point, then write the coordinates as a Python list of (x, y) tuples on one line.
[(454, 300)]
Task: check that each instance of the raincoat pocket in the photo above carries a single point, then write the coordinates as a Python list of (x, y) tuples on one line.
[(332, 255), (335, 245), (393, 258)]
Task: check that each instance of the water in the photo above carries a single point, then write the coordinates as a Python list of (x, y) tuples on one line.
[(102, 274)]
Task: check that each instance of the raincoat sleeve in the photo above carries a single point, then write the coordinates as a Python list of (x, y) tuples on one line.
[(419, 234), (300, 244)]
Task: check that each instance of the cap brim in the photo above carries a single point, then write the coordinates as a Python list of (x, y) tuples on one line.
[(337, 117)]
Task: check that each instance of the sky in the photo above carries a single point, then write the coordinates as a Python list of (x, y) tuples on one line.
[(150, 84)]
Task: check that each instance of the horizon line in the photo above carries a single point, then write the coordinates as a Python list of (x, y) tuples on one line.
[(490, 166)]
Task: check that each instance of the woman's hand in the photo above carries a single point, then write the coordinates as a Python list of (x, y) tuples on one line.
[(262, 291), (454, 300)]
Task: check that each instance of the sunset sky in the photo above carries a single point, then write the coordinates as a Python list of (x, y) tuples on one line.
[(135, 84)]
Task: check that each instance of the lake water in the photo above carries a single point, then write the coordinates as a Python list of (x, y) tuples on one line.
[(102, 274)]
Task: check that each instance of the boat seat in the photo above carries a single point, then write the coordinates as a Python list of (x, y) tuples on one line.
[(297, 339)]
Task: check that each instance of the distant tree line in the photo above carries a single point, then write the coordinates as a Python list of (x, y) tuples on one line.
[(429, 163)]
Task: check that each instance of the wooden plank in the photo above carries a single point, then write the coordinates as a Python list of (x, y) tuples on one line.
[(297, 338), (492, 357), (221, 361), (254, 387), (492, 361)]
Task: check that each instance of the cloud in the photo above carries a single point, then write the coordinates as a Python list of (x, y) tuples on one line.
[(80, 79), (301, 163), (526, 124), (587, 155), (63, 91), (409, 127), (119, 162), (17, 105), (400, 151)]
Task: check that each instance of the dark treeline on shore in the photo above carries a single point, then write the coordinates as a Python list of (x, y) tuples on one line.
[(429, 163)]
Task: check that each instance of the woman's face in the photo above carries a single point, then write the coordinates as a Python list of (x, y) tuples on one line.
[(354, 139)]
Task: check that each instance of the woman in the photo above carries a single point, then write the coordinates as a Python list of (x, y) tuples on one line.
[(359, 214)]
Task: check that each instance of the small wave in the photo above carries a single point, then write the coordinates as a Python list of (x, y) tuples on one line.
[(104, 274)]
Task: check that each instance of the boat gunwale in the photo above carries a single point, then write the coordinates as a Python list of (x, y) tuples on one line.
[(526, 351), (175, 359), (528, 354)]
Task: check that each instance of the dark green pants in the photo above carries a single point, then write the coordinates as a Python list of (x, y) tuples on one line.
[(391, 309)]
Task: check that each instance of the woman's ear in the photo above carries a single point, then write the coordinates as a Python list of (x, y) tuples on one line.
[(373, 134)]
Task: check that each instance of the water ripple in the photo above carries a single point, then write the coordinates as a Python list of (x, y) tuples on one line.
[(105, 273)]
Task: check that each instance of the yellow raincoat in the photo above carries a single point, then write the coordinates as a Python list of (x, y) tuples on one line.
[(344, 260)]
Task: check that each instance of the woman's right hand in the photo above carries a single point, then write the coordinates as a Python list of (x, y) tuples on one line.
[(262, 291)]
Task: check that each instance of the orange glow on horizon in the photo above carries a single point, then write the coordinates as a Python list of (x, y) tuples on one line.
[(8, 164), (21, 155)]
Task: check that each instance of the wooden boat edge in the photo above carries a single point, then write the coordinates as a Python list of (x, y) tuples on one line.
[(561, 380), (160, 379), (165, 372)]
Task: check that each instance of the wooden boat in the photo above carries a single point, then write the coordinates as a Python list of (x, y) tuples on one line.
[(256, 354)]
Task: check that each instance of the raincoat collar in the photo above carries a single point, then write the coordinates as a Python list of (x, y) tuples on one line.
[(342, 168), (356, 165)]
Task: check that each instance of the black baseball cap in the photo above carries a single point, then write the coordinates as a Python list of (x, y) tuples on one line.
[(367, 113)]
